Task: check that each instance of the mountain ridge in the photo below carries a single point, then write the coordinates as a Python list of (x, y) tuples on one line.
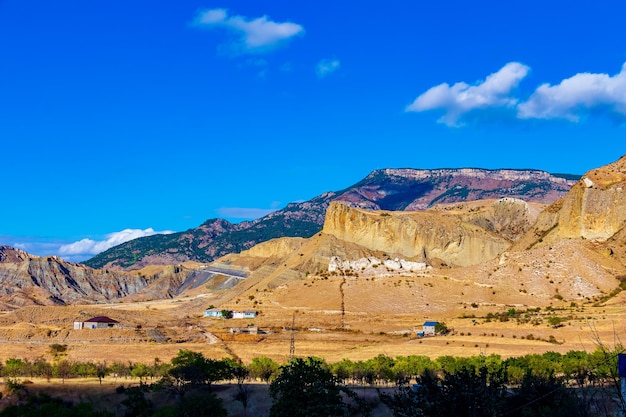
[(383, 189)]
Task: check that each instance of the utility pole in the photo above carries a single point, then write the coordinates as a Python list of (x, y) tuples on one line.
[(292, 346), (343, 300)]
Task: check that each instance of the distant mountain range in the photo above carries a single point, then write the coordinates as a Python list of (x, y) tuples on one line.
[(385, 189)]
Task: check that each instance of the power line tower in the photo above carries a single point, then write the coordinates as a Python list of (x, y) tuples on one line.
[(292, 346)]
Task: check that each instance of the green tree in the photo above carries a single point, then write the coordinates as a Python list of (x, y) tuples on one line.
[(14, 367), (543, 396), (441, 328), (307, 388), (343, 370), (263, 368), (407, 368), (467, 392), (191, 369), (382, 365), (63, 370), (140, 371)]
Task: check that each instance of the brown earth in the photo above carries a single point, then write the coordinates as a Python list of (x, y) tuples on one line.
[(381, 315)]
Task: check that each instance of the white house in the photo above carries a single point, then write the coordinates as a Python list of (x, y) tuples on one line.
[(212, 312), (429, 328), (246, 314), (99, 322)]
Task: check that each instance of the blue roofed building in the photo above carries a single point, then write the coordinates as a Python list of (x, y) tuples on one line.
[(429, 328)]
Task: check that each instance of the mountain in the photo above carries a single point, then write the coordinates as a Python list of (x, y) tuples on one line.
[(385, 189), (450, 258)]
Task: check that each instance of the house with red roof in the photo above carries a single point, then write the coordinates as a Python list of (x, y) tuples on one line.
[(98, 322)]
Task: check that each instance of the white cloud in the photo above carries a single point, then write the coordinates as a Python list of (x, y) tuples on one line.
[(326, 67), (461, 98), (93, 247), (253, 35), (244, 213), (575, 96)]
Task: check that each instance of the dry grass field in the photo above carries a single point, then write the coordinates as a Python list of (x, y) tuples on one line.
[(159, 329)]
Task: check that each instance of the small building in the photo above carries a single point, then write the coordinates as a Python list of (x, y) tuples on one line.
[(217, 313), (244, 330), (428, 328), (246, 314), (212, 312), (99, 322)]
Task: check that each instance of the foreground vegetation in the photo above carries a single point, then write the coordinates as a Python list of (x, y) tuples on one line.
[(553, 384)]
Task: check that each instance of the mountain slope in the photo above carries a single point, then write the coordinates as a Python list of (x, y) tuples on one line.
[(26, 279), (387, 189), (573, 252)]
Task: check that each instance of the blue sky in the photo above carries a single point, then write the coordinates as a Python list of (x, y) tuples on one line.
[(125, 118)]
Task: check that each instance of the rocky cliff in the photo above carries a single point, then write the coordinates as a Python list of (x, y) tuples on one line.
[(420, 236), (594, 209)]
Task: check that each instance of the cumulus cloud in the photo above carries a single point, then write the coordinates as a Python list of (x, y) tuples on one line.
[(571, 99), (258, 35), (94, 247), (244, 213), (326, 67), (461, 98), (577, 96)]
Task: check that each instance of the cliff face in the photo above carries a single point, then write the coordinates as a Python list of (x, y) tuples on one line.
[(420, 236), (509, 218), (596, 206), (594, 209)]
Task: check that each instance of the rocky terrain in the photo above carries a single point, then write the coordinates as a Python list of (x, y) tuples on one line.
[(26, 279), (387, 189)]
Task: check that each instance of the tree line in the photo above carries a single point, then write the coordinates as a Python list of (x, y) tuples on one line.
[(379, 370), (577, 383)]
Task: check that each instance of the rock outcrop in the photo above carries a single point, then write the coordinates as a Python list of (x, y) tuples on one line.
[(594, 209), (417, 236)]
